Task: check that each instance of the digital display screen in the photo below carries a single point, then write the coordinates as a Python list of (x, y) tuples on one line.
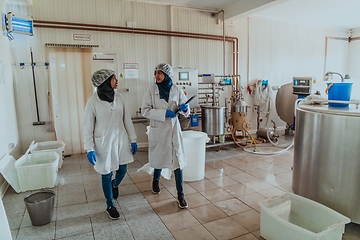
[(301, 82), (183, 75)]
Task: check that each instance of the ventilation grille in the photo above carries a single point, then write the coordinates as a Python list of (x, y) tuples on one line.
[(70, 45), (301, 90)]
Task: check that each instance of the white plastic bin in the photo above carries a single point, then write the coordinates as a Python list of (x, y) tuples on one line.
[(195, 146), (297, 218), (37, 170), (48, 146)]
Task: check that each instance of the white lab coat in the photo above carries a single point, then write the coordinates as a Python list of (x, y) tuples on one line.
[(108, 130), (166, 148)]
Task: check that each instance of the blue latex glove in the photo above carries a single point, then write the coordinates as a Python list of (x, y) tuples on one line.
[(183, 107), (170, 114), (91, 157), (133, 148)]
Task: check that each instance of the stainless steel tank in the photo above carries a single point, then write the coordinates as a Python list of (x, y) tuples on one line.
[(239, 119), (285, 103), (327, 157), (212, 120)]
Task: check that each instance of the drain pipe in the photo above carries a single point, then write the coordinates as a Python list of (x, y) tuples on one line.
[(223, 22), (223, 18), (248, 51), (171, 39)]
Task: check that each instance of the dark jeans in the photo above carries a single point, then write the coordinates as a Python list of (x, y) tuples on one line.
[(178, 179), (107, 185)]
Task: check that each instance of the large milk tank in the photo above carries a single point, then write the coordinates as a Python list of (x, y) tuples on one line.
[(327, 157), (285, 102)]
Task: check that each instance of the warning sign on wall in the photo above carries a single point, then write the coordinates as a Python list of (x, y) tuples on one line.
[(131, 70)]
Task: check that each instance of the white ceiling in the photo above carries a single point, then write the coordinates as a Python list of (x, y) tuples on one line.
[(343, 14)]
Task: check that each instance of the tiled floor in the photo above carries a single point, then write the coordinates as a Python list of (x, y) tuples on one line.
[(224, 205)]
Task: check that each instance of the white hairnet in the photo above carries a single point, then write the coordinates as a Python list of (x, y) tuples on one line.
[(100, 76), (165, 68)]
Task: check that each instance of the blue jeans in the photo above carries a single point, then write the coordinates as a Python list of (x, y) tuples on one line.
[(178, 179), (107, 185)]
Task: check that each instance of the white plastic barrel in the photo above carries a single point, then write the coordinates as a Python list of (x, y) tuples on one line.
[(194, 145)]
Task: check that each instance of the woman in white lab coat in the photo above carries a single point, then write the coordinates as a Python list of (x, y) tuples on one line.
[(108, 132), (166, 149)]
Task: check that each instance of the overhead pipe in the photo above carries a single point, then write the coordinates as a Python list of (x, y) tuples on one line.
[(124, 28), (130, 31), (94, 27)]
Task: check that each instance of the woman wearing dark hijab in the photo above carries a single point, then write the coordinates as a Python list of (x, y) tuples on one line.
[(166, 149), (108, 132)]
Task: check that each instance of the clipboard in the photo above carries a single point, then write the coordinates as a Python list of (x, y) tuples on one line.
[(189, 100)]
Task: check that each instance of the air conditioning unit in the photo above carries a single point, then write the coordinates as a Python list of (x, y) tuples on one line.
[(15, 23)]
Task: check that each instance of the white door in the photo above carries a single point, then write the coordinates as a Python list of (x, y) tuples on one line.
[(70, 78)]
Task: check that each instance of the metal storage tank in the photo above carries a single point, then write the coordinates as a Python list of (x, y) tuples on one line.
[(327, 157), (213, 120)]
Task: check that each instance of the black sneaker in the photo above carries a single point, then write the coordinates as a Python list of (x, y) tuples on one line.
[(181, 201), (115, 190), (155, 187), (113, 213)]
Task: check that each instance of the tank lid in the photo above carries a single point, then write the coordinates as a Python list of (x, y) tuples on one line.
[(345, 111), (240, 103), (212, 107)]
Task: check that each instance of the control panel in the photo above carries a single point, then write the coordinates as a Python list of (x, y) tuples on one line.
[(208, 78), (187, 80), (302, 85)]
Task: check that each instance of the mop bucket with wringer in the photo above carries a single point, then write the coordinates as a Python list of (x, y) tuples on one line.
[(339, 92)]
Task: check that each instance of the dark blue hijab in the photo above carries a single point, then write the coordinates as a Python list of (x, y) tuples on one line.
[(164, 87)]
